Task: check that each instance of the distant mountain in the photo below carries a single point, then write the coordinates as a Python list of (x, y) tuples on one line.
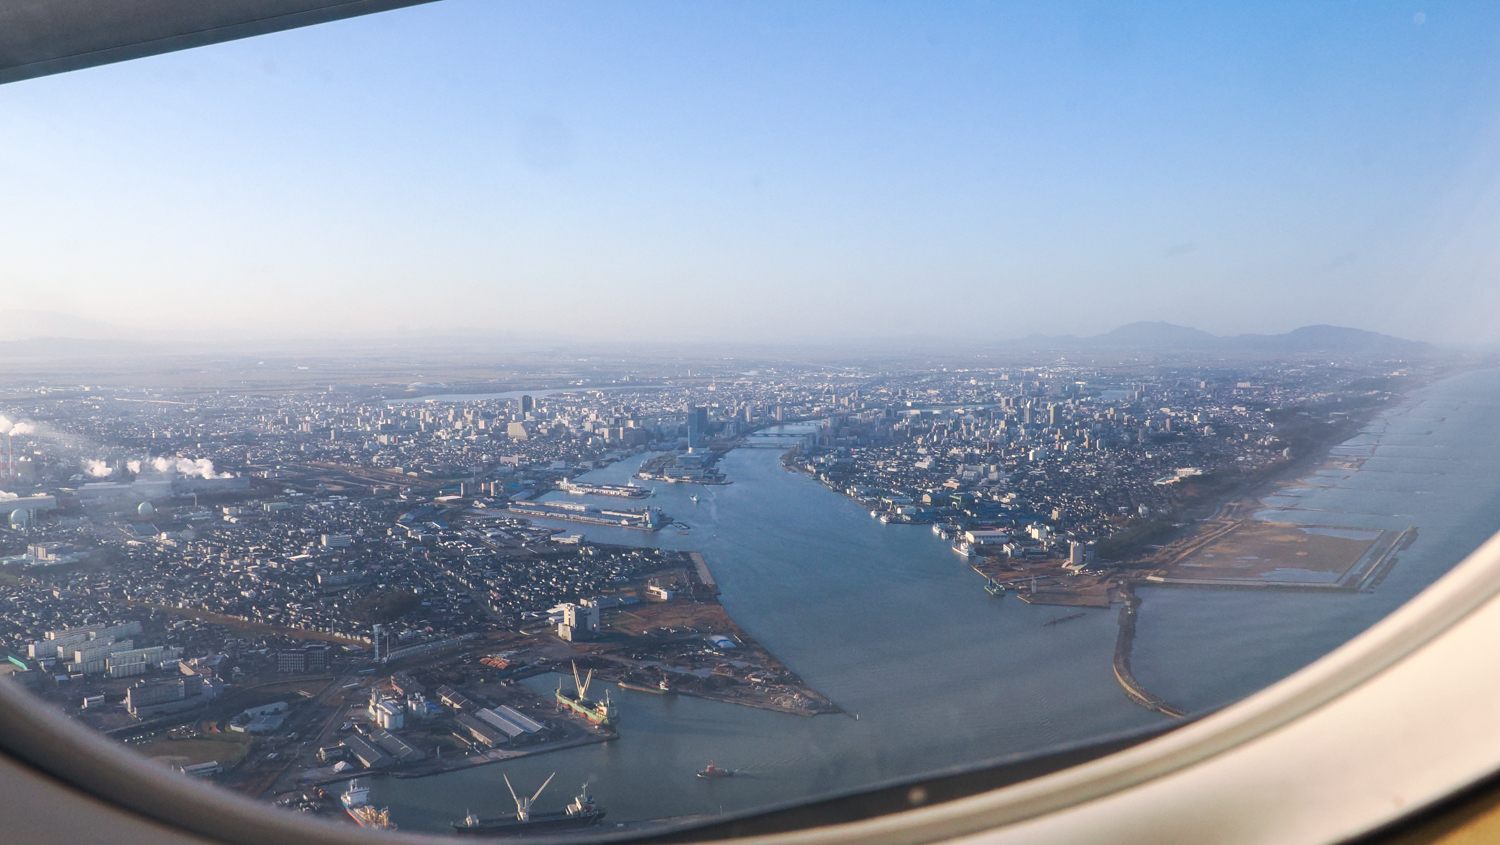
[(1337, 339), (18, 324), (1156, 336)]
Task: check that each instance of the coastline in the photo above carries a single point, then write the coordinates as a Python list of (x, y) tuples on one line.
[(1241, 507), (1203, 519)]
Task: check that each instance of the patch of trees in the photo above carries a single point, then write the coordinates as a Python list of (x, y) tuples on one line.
[(1134, 539), (384, 605)]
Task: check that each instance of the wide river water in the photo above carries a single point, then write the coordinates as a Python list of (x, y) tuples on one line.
[(894, 627)]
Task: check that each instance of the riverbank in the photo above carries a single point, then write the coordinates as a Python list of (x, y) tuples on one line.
[(459, 762), (680, 640)]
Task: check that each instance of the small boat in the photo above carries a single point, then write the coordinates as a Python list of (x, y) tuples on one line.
[(693, 498), (714, 771)]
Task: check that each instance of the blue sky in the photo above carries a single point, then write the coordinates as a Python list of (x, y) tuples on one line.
[(776, 171)]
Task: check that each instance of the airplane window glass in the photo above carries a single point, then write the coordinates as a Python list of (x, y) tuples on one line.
[(527, 418)]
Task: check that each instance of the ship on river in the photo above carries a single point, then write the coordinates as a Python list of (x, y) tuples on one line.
[(714, 771), (601, 713), (581, 812), (356, 802), (644, 519), (588, 488)]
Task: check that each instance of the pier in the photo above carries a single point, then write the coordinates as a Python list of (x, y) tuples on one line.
[(706, 578), (1124, 643)]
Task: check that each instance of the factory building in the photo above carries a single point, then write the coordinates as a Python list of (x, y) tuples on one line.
[(386, 712), (579, 621), (29, 505), (367, 754), (479, 731)]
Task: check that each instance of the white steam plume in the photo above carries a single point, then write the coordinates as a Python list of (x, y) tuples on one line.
[(190, 467), (97, 468), (134, 467), (16, 427), (6, 494)]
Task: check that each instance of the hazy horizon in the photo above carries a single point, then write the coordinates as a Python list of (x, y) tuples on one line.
[(23, 324), (772, 174)]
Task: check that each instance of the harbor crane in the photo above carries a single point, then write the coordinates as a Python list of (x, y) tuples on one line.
[(581, 686), (523, 805)]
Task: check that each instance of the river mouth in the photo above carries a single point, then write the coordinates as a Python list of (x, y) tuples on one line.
[(897, 630)]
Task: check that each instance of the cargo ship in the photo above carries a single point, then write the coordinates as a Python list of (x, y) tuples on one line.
[(644, 519), (356, 801), (624, 491), (581, 812), (601, 713), (659, 688)]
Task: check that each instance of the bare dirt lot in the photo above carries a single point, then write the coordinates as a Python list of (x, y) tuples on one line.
[(1269, 551)]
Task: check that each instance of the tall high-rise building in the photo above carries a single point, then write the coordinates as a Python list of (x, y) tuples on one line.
[(528, 404), (697, 425)]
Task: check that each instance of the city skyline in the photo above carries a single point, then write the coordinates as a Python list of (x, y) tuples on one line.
[(772, 174)]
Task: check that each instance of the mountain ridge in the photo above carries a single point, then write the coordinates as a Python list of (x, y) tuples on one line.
[(1156, 335)]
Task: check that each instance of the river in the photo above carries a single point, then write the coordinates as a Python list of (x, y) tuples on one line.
[(896, 628)]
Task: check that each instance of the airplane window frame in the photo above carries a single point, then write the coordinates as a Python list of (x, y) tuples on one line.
[(1119, 792)]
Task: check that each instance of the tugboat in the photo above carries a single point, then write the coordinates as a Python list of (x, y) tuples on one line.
[(582, 812), (712, 771), (356, 801)]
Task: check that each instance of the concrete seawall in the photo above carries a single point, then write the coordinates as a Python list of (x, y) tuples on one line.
[(1124, 643)]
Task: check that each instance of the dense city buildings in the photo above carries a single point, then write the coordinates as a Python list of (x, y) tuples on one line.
[(373, 567)]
